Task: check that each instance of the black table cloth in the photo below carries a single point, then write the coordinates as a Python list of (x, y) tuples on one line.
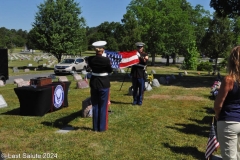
[(40, 100)]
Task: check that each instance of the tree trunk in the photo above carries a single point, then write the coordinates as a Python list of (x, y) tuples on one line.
[(58, 56), (174, 58), (167, 60), (215, 68), (153, 59)]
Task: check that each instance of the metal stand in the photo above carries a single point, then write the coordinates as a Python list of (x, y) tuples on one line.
[(124, 79)]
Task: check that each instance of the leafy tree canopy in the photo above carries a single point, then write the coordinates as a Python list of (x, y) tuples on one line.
[(219, 37), (225, 8), (58, 29)]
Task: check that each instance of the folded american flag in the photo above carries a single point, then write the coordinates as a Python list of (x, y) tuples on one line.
[(122, 59), (212, 144)]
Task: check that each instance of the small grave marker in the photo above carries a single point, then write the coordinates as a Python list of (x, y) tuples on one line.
[(1, 83), (2, 102)]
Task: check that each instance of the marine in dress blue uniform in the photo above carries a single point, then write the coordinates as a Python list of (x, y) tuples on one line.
[(137, 73), (100, 86)]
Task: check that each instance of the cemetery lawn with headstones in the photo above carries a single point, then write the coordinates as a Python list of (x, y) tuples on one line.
[(34, 63), (173, 122), (20, 64)]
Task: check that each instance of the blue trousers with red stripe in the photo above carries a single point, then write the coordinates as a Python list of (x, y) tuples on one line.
[(99, 99), (138, 85)]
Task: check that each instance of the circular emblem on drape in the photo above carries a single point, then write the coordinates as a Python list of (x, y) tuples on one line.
[(58, 96)]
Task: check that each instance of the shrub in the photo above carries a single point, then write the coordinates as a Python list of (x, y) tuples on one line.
[(205, 66)]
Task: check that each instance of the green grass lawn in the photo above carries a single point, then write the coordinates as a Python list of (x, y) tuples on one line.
[(173, 123)]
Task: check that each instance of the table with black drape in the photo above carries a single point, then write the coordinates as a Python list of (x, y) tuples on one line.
[(37, 101)]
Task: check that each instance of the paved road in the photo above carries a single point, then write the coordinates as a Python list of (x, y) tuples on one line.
[(27, 77), (163, 60)]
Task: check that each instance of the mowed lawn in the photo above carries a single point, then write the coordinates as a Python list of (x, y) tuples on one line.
[(173, 122)]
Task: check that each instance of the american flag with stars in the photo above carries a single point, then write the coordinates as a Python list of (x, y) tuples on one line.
[(122, 59), (212, 144)]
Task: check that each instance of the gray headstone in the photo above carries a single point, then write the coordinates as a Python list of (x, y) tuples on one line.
[(130, 91), (18, 80), (62, 79), (2, 102), (148, 87), (80, 84), (155, 83), (122, 70), (87, 107), (185, 72), (15, 69), (153, 71), (23, 83), (1, 83), (26, 70), (29, 65), (65, 129), (77, 77)]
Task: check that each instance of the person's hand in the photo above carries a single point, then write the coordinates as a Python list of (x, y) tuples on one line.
[(216, 116)]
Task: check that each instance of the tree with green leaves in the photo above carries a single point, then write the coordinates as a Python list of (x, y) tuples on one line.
[(58, 29), (191, 57), (11, 38), (107, 31), (163, 25), (130, 33), (236, 30), (219, 38), (143, 22), (223, 8), (199, 19), (178, 29)]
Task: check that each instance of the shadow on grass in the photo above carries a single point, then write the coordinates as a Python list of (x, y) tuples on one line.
[(15, 111), (194, 129), (115, 102), (186, 150), (209, 110), (206, 120), (64, 121), (186, 81)]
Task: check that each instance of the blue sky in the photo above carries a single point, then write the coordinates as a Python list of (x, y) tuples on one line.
[(19, 14)]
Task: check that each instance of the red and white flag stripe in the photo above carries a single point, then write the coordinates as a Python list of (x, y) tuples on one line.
[(211, 146), (128, 59)]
